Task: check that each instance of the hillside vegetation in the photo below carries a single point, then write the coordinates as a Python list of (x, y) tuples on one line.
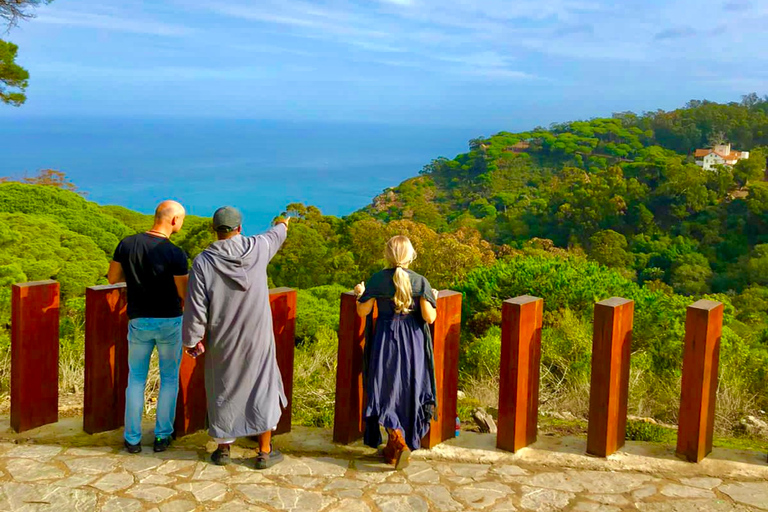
[(576, 213)]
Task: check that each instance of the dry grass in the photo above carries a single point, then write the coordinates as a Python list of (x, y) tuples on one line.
[(314, 381), (733, 404), (648, 398)]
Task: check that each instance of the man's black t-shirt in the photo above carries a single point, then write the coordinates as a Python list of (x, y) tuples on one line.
[(149, 264)]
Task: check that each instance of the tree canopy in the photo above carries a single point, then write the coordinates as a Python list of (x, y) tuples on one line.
[(13, 78)]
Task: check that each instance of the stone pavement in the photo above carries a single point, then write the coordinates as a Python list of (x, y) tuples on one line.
[(37, 474)]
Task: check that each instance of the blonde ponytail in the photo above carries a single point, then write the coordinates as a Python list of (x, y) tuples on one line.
[(400, 254), (403, 292)]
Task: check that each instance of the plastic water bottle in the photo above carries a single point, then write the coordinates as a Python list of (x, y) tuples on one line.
[(458, 426)]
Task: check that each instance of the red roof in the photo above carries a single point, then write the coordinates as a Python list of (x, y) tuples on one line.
[(733, 155)]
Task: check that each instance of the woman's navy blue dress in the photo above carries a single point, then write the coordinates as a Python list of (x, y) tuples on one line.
[(399, 370)]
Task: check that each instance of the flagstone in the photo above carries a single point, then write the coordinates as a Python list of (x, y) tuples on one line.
[(114, 482), (754, 494), (153, 493), (400, 503), (205, 491), (544, 500), (92, 465), (118, 504), (285, 499), (30, 470)]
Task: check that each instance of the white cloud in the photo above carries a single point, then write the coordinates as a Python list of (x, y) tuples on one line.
[(113, 23)]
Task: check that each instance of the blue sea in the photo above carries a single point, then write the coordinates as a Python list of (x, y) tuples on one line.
[(258, 166)]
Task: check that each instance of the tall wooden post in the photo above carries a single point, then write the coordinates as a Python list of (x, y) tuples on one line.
[(34, 354), (445, 336), (106, 358), (610, 376), (701, 356), (350, 393), (519, 378), (282, 301), (191, 406)]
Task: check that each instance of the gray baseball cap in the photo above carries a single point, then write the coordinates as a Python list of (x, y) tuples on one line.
[(227, 218)]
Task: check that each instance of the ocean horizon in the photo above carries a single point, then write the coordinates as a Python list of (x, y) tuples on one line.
[(257, 166)]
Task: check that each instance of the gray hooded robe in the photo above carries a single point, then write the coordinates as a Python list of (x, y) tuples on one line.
[(228, 301)]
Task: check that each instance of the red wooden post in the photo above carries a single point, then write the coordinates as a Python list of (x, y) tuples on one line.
[(34, 354), (191, 405), (701, 356), (350, 393), (106, 358), (610, 376), (445, 336), (519, 378), (283, 304)]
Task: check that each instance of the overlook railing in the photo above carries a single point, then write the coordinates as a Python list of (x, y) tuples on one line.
[(35, 351), (35, 357)]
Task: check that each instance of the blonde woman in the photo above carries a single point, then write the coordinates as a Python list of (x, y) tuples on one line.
[(399, 364)]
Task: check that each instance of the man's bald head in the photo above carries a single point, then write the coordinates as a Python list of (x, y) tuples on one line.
[(170, 214)]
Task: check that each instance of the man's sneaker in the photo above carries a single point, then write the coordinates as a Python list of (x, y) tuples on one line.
[(220, 456), (161, 444), (132, 448)]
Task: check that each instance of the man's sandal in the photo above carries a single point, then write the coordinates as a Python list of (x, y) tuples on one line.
[(266, 460), (220, 457)]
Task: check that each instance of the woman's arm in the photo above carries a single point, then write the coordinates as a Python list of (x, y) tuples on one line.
[(364, 308), (428, 311)]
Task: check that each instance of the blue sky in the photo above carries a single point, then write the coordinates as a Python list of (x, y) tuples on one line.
[(501, 63)]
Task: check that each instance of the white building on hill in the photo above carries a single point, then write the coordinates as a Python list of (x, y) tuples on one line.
[(721, 154)]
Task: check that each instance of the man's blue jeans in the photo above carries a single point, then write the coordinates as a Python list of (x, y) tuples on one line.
[(143, 335)]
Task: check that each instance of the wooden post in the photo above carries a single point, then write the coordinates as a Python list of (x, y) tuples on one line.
[(282, 301), (519, 378), (191, 406), (106, 358), (350, 393), (445, 336), (610, 376), (701, 356), (34, 355)]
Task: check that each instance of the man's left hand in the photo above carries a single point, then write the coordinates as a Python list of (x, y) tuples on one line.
[(197, 350)]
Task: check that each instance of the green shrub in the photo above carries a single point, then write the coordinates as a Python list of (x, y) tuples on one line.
[(650, 432)]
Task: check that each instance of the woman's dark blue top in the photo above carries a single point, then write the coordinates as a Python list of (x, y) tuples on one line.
[(399, 363)]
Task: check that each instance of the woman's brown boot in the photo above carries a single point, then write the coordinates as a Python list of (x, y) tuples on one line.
[(402, 454), (389, 451)]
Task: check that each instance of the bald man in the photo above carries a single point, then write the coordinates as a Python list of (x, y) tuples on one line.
[(155, 272)]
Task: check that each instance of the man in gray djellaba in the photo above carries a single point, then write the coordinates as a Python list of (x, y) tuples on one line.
[(228, 317)]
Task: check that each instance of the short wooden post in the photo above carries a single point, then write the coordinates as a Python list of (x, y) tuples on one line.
[(519, 377), (34, 354), (191, 405), (610, 376), (106, 358), (350, 394), (445, 336), (701, 356), (282, 301)]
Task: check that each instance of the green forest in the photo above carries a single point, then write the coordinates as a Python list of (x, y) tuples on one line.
[(574, 213)]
